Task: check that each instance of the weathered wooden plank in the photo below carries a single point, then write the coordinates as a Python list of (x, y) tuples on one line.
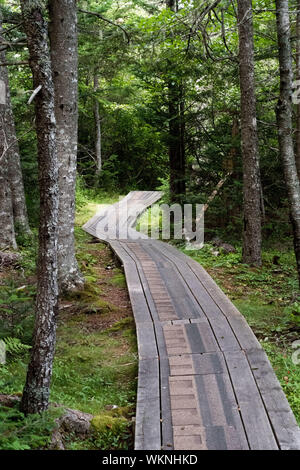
[(216, 405), (282, 419), (147, 347), (197, 364), (257, 425), (166, 424), (240, 327), (184, 302), (206, 438), (226, 338), (135, 288), (147, 426)]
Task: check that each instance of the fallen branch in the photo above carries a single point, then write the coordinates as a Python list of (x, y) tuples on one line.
[(216, 190), (7, 64)]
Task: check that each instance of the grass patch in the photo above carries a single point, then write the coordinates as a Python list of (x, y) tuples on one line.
[(118, 278)]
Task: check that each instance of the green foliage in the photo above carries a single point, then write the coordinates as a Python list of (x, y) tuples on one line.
[(18, 432), (16, 311), (287, 373), (294, 312), (14, 347)]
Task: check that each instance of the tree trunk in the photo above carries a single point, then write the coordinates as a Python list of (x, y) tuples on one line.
[(97, 129), (63, 37), (249, 140), (7, 232), (176, 132), (175, 144), (182, 139), (297, 155), (13, 155), (284, 122), (37, 388)]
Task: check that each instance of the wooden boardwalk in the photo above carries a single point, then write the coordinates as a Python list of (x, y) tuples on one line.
[(204, 380)]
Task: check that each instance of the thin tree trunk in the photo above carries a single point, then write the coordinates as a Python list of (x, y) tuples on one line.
[(176, 132), (297, 154), (63, 37), (284, 122), (13, 155), (251, 173), (97, 129), (182, 140), (37, 388), (7, 232)]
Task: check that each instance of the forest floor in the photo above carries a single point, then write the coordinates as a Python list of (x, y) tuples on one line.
[(95, 369)]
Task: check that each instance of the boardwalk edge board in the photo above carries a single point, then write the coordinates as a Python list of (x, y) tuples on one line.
[(204, 381)]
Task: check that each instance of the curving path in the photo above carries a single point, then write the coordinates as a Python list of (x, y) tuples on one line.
[(204, 380)]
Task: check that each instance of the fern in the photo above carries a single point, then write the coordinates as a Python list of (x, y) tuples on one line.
[(14, 346)]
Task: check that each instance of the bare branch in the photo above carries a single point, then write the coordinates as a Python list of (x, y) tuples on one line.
[(107, 21), (35, 92)]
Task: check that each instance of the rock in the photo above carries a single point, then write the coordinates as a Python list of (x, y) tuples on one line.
[(226, 247), (9, 259), (9, 400), (57, 441), (75, 421), (215, 252), (72, 421)]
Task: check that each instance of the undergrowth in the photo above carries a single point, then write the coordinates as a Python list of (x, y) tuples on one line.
[(95, 366)]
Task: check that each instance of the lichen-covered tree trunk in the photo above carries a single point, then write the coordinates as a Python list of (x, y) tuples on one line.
[(7, 232), (176, 131), (63, 37), (13, 154), (297, 155), (97, 120), (37, 388), (284, 122), (249, 139)]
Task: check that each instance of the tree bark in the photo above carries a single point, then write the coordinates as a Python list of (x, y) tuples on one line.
[(13, 155), (63, 38), (297, 154), (97, 129), (37, 388), (249, 140), (284, 122), (7, 232), (176, 132)]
